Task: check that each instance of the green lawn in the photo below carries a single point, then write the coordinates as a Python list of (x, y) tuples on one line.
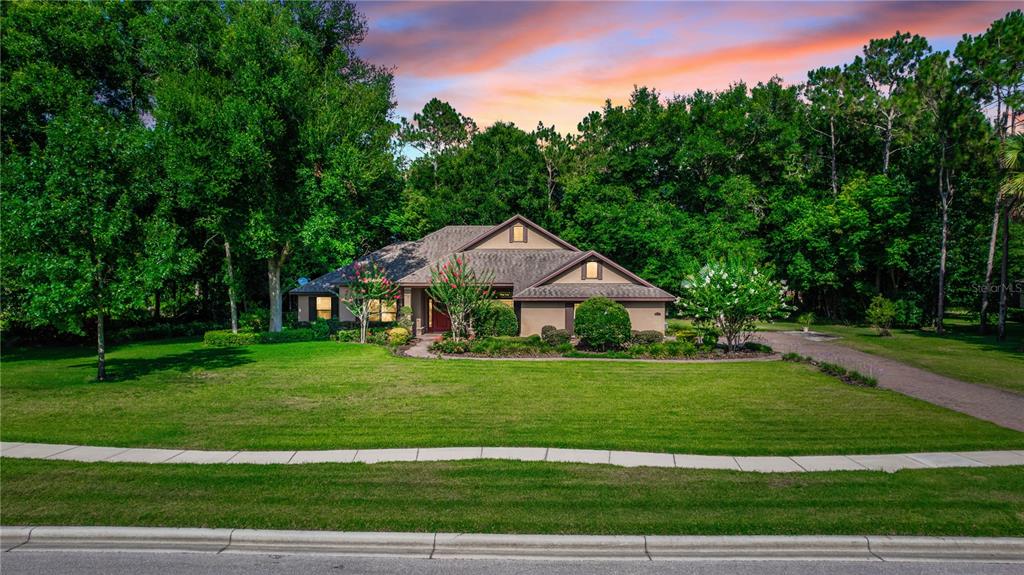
[(480, 496), (960, 353), (317, 395)]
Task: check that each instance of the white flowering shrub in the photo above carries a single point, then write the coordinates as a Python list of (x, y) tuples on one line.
[(732, 296)]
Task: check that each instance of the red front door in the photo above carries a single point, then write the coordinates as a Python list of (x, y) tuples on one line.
[(439, 321)]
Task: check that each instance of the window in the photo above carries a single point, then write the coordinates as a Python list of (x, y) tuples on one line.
[(383, 311), (518, 234), (504, 296), (592, 271), (323, 307)]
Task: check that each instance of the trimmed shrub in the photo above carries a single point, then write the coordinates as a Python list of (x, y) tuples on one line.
[(663, 350), (398, 336), (320, 329), (224, 338), (555, 336), (684, 332), (493, 318), (602, 323), (646, 337), (450, 346), (161, 331), (546, 329), (377, 336), (287, 335), (515, 347), (880, 314)]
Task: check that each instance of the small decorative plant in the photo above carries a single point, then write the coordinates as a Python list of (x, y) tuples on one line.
[(880, 315), (806, 320)]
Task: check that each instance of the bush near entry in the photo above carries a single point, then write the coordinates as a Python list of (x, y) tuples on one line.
[(602, 324), (494, 318)]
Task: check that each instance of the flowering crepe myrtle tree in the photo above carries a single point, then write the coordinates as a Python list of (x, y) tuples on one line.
[(369, 284), (732, 296), (460, 290)]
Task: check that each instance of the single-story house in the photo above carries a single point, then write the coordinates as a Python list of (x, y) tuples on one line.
[(540, 275)]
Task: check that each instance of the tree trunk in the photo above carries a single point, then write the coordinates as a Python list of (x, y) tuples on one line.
[(101, 348), (945, 197), (832, 135), (983, 328), (941, 310), (274, 285), (156, 305), (1004, 280), (888, 144), (231, 287)]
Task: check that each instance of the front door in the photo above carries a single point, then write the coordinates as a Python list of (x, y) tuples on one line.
[(439, 321)]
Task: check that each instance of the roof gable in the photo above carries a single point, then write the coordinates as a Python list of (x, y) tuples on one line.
[(591, 256), (493, 238)]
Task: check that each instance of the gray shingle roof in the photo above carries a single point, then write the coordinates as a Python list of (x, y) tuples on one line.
[(400, 258), (570, 291), (411, 262), (518, 268)]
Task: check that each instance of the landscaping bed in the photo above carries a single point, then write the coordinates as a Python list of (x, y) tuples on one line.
[(535, 347)]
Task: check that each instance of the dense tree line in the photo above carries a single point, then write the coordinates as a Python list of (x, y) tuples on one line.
[(192, 160), (879, 176)]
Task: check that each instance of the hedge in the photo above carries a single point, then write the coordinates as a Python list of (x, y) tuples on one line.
[(224, 337)]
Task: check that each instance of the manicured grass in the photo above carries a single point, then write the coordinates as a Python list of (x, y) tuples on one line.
[(317, 395), (495, 497), (960, 353)]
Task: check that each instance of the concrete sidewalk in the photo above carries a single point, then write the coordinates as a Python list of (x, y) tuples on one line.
[(998, 406), (769, 464), (483, 545)]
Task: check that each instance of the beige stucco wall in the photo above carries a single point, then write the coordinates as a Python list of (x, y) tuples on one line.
[(575, 276), (534, 241), (646, 315), (533, 315)]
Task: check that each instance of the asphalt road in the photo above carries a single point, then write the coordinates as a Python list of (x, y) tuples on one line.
[(171, 563)]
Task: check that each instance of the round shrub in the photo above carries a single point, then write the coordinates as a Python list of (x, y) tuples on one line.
[(602, 323), (555, 336), (398, 336), (495, 319), (547, 329)]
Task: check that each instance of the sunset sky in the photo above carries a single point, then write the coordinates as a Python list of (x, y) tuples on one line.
[(555, 61)]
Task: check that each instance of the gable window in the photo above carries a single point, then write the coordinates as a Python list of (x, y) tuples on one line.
[(592, 271), (323, 307), (517, 234)]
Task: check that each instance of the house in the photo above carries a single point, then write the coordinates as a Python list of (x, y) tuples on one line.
[(540, 275)]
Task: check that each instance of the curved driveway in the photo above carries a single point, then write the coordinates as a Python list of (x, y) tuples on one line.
[(1000, 407)]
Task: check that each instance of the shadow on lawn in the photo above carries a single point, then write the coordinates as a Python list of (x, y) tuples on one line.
[(206, 359)]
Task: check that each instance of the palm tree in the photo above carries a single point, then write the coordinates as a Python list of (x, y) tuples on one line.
[(1012, 191)]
